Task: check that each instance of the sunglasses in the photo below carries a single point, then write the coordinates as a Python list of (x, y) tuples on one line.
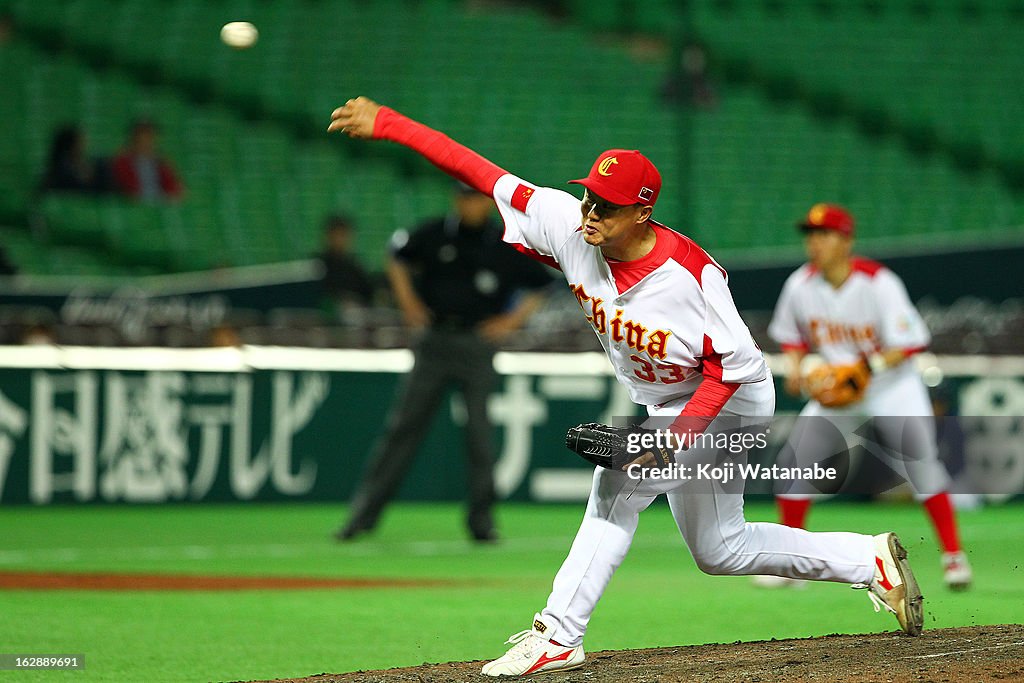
[(601, 206)]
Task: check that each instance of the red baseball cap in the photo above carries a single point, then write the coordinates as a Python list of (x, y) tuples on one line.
[(623, 176), (828, 217)]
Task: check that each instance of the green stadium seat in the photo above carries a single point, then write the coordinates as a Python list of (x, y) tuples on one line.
[(73, 219), (137, 232)]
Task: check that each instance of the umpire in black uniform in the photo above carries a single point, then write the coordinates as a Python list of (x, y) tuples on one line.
[(467, 289)]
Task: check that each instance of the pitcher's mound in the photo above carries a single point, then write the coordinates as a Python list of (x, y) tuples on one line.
[(975, 653)]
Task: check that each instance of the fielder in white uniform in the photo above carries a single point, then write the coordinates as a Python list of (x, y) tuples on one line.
[(849, 309), (662, 309)]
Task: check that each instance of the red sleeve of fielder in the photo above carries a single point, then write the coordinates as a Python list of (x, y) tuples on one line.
[(454, 159)]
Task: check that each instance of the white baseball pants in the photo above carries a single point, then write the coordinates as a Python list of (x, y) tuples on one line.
[(709, 515), (904, 425)]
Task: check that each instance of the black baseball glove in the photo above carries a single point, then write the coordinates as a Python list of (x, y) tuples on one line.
[(615, 447)]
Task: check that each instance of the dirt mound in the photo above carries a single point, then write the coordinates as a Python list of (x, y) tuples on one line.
[(976, 653)]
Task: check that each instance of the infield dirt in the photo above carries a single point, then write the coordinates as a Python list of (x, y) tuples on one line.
[(975, 653)]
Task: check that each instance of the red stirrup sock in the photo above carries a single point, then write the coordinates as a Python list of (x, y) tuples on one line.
[(793, 511), (940, 509)]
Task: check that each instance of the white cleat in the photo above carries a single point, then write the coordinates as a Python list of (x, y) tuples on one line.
[(773, 582), (532, 652), (894, 587), (956, 571)]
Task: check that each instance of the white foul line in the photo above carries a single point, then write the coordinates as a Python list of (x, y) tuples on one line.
[(960, 652), (19, 557)]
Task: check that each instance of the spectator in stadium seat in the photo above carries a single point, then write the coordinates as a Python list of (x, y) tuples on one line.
[(346, 287), (6, 28), (69, 168), (223, 336), (38, 334), (688, 84), (6, 267), (140, 172)]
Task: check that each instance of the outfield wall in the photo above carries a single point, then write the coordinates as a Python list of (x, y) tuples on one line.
[(88, 425)]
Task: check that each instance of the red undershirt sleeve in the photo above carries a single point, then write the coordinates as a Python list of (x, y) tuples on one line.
[(703, 406), (454, 159), (710, 397)]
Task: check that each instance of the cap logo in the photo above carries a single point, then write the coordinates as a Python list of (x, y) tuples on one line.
[(817, 214), (604, 167), (646, 193)]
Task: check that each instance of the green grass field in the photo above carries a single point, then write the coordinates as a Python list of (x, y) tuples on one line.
[(657, 598)]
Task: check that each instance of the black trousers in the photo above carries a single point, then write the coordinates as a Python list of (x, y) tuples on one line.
[(443, 360)]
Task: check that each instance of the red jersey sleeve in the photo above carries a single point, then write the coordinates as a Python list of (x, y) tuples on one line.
[(456, 160)]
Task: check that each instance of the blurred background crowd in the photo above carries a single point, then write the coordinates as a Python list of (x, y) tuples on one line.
[(160, 188)]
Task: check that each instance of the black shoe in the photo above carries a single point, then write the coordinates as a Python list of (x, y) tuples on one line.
[(486, 536), (351, 531)]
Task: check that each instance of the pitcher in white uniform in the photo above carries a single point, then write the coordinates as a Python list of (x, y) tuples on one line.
[(849, 309), (661, 307)]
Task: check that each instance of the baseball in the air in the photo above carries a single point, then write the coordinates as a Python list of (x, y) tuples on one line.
[(239, 34)]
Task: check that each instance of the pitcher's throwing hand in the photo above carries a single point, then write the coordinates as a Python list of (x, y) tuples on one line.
[(355, 118)]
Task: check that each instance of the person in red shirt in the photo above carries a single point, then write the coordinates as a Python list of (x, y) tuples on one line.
[(140, 172)]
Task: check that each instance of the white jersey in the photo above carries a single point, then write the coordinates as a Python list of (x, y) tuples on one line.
[(870, 312), (665, 320)]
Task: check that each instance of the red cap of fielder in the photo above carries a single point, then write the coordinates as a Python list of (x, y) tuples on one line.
[(828, 217), (623, 176)]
